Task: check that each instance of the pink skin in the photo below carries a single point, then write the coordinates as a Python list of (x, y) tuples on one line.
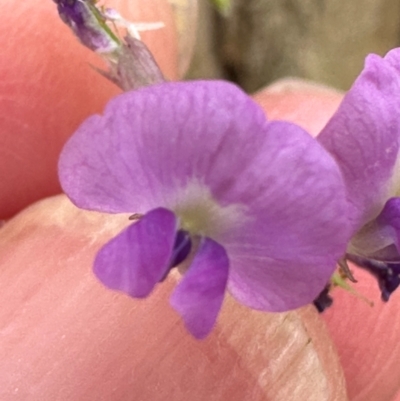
[(48, 88), (66, 337), (366, 338)]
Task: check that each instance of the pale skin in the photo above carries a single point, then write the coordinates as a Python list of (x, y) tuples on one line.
[(65, 337)]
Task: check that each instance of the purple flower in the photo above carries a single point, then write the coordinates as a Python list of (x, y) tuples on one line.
[(364, 138), (254, 206)]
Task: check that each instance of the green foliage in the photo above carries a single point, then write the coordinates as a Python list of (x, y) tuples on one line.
[(221, 5)]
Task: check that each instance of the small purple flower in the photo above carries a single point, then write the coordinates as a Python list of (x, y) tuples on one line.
[(254, 206), (364, 138)]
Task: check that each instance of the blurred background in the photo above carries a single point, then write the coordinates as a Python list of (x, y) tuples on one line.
[(254, 42)]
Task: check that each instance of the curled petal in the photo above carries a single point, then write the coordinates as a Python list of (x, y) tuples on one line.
[(198, 297), (138, 258), (363, 135)]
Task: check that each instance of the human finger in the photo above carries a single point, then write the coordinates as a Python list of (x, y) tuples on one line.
[(48, 87), (64, 336), (366, 338)]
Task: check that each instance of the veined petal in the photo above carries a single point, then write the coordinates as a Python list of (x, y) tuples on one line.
[(198, 297), (296, 226), (363, 135), (138, 258), (151, 143)]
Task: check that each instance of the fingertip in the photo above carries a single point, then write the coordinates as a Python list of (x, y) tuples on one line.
[(367, 340), (303, 102), (87, 342), (48, 88)]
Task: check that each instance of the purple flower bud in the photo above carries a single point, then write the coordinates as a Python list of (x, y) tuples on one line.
[(88, 25), (131, 65)]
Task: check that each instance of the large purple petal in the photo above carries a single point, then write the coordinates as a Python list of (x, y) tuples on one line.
[(296, 225), (198, 297), (136, 259), (363, 135), (152, 142)]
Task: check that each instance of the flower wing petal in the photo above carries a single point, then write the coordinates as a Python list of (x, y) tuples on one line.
[(198, 297), (363, 135), (152, 142), (137, 258)]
